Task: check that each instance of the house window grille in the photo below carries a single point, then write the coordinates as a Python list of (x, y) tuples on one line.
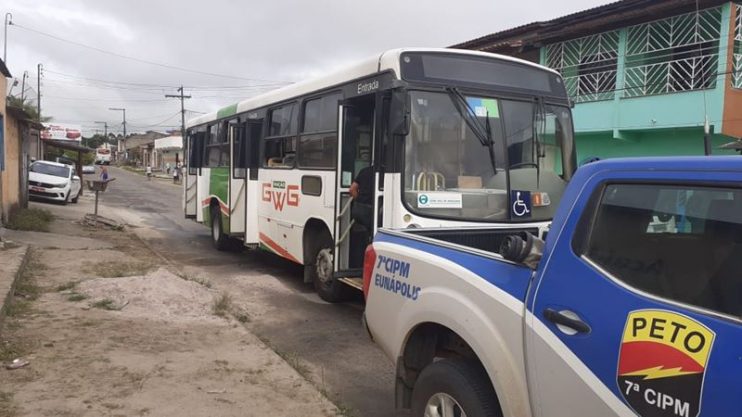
[(588, 65), (737, 54), (680, 53)]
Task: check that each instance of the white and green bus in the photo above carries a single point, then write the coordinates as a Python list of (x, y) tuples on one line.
[(461, 145)]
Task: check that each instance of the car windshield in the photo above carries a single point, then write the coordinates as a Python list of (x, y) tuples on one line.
[(49, 169), (465, 154)]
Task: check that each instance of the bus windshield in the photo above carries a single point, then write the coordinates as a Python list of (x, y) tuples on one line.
[(467, 155)]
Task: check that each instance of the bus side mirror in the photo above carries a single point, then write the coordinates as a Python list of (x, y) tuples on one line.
[(399, 113)]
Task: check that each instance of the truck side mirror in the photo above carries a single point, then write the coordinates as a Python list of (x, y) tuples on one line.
[(399, 113)]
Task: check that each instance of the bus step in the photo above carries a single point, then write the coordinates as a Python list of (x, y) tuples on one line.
[(356, 283)]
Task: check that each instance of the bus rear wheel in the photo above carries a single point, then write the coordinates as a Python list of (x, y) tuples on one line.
[(218, 238), (327, 286)]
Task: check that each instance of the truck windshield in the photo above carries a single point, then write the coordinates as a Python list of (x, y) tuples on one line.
[(465, 154)]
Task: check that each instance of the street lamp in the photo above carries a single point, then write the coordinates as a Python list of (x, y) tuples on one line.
[(126, 152)]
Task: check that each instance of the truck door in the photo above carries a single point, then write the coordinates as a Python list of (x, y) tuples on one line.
[(637, 309), (355, 223)]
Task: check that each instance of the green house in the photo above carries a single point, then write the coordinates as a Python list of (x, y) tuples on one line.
[(647, 77)]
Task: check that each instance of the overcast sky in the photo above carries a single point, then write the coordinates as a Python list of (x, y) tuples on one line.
[(262, 44)]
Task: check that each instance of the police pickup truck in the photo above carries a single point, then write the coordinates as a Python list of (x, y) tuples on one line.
[(632, 304)]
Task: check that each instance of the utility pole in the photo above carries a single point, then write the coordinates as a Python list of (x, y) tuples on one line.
[(126, 153), (8, 22), (39, 68), (105, 130), (182, 109), (23, 87)]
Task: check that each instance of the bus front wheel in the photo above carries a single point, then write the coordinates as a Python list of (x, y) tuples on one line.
[(327, 286)]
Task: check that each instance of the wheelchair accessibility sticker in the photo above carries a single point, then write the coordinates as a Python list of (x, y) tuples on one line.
[(520, 204), (662, 363)]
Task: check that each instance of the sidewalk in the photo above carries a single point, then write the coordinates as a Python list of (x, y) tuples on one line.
[(113, 332), (12, 259), (159, 175)]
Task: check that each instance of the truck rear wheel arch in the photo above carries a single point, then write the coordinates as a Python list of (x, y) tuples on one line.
[(426, 343)]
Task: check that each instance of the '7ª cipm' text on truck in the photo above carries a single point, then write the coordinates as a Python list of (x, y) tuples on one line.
[(632, 306)]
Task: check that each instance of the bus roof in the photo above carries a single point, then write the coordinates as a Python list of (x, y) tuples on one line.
[(386, 61)]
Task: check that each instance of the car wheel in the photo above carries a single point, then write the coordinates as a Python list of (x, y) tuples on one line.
[(66, 199), (218, 238), (74, 200), (327, 286), (453, 388)]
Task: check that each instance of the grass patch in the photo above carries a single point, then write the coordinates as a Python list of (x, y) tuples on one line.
[(242, 317), (117, 269), (75, 297), (31, 219), (222, 305), (198, 280), (105, 304), (10, 351), (7, 407), (66, 286), (295, 362), (18, 308)]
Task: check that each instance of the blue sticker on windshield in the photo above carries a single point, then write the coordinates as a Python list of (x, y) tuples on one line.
[(520, 204), (483, 107)]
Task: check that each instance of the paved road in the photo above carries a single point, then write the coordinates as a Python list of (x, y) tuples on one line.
[(325, 338)]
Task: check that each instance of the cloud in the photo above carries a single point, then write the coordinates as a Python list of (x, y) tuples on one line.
[(286, 40)]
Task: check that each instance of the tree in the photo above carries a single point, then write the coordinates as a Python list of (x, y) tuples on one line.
[(27, 107)]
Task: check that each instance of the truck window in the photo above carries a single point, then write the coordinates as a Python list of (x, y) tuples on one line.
[(682, 243)]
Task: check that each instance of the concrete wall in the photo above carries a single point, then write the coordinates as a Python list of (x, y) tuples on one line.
[(665, 142), (3, 114), (11, 179)]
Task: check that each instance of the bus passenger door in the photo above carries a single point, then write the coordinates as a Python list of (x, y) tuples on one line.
[(251, 152), (237, 178), (189, 186), (354, 222)]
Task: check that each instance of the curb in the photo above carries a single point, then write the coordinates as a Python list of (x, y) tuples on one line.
[(16, 276)]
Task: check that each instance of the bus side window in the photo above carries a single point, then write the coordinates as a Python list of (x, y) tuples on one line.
[(239, 151), (195, 151), (279, 150)]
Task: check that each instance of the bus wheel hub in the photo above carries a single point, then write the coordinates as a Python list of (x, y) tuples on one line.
[(324, 265)]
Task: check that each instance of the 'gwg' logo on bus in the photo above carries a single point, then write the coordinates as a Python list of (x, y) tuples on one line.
[(278, 193)]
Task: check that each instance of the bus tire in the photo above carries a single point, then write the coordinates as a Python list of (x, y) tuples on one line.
[(459, 381), (328, 288), (218, 238)]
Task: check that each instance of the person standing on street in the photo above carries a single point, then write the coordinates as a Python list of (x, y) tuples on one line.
[(104, 173), (148, 172), (176, 175)]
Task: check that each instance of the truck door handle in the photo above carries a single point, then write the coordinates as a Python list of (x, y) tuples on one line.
[(566, 319)]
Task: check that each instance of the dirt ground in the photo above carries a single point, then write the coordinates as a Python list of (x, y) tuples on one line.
[(111, 330)]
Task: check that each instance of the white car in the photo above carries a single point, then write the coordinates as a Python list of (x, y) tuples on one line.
[(53, 181)]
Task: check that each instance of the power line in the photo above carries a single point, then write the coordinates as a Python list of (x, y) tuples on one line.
[(140, 60), (167, 86), (182, 108)]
